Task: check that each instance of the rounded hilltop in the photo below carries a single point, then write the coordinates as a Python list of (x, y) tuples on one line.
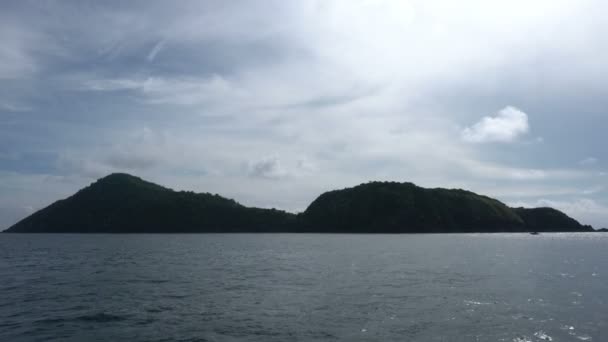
[(121, 203)]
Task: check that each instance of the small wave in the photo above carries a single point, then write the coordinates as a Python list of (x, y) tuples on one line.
[(522, 316), (9, 288), (50, 320), (571, 332), (176, 296), (195, 339), (146, 322), (473, 302), (541, 335), (100, 318), (148, 281), (158, 309), (522, 339)]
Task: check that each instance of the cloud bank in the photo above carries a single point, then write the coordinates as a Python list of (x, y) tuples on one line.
[(272, 103)]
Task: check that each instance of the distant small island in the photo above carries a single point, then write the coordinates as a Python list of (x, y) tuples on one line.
[(122, 203)]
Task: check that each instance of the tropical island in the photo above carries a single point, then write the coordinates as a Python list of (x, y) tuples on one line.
[(122, 203)]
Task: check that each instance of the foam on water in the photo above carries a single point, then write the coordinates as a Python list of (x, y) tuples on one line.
[(543, 336), (473, 302), (522, 339)]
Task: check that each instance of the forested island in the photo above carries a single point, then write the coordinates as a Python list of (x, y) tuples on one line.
[(122, 203)]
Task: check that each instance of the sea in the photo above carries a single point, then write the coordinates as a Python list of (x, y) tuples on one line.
[(304, 287)]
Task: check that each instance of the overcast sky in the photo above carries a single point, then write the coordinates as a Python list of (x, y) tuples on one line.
[(273, 102)]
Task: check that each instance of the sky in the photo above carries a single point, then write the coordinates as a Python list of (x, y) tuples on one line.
[(273, 102)]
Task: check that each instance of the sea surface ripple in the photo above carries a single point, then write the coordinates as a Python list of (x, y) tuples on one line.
[(304, 287)]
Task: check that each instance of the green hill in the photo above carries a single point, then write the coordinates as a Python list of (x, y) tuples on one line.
[(124, 203), (390, 207), (121, 203), (538, 219)]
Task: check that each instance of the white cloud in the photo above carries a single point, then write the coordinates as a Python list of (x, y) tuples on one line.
[(81, 164), (516, 191), (16, 60), (579, 206), (175, 91), (13, 107), (506, 126), (593, 190), (113, 84), (306, 165), (499, 171), (155, 50), (268, 167), (588, 161), (138, 151)]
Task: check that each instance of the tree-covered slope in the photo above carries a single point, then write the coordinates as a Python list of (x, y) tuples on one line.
[(384, 207), (390, 207), (124, 203), (120, 203), (539, 219)]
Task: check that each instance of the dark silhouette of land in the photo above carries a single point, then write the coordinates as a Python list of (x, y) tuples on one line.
[(121, 203)]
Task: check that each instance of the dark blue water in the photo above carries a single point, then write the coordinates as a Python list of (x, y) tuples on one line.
[(243, 287)]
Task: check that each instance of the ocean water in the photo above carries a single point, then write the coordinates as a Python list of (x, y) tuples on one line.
[(304, 287)]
